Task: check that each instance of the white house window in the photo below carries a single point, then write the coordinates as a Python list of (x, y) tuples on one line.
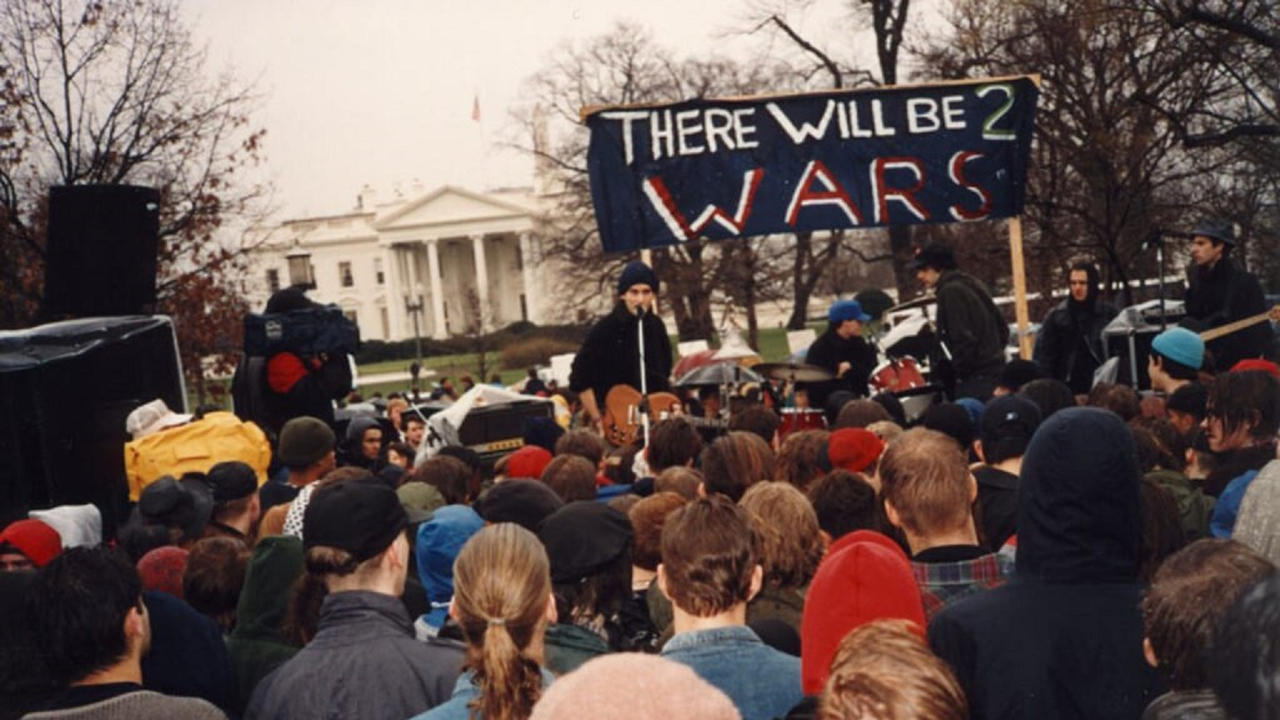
[(377, 271), (273, 280), (344, 274)]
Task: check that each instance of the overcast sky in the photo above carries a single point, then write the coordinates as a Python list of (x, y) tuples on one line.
[(381, 91)]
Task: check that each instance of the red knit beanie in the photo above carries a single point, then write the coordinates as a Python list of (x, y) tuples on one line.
[(853, 449), (1265, 366), (858, 582), (528, 462), (39, 542), (161, 569)]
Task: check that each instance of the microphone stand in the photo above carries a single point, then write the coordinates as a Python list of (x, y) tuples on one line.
[(644, 380)]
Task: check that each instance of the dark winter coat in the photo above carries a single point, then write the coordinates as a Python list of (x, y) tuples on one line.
[(1063, 639), (1069, 345), (970, 324), (611, 355), (1222, 294), (257, 644), (828, 351), (363, 663)]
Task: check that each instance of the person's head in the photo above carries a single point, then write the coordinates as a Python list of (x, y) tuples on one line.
[(86, 610), (518, 500), (1244, 655), (589, 546), (846, 318), (353, 535), (1185, 407), (213, 577), (502, 601), (1049, 395), (447, 474), (844, 502), (891, 405), (1119, 399), (1008, 422), (161, 569), (931, 261), (1079, 507), (1176, 354), (951, 420), (735, 462), (648, 517), (583, 443), (853, 449), (572, 477), (797, 461), (619, 465), (886, 430), (235, 492), (860, 413), (634, 686), (364, 438), (1082, 282), (709, 565), (1243, 408), (1162, 533), (637, 286), (27, 544), (438, 543), (1212, 240), (1188, 596), (864, 577), (757, 419), (528, 462), (681, 480), (883, 670), (673, 442), (400, 455), (1015, 374), (395, 409), (413, 427), (710, 399), (182, 506), (1160, 445), (789, 542), (306, 446), (926, 485)]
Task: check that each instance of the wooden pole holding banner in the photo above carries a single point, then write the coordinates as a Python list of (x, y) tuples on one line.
[(1019, 286)]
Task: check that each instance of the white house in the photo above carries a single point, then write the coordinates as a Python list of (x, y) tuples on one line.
[(452, 259)]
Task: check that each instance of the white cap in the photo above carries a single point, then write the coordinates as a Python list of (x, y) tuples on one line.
[(152, 418)]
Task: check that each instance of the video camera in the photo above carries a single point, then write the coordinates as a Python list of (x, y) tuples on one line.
[(316, 330)]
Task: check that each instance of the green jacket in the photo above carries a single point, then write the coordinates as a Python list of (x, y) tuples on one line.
[(1194, 506), (257, 643), (569, 646)]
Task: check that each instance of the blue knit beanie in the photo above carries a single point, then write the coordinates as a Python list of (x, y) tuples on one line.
[(637, 273), (1181, 346)]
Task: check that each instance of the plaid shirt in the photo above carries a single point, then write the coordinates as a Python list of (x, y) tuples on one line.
[(946, 582)]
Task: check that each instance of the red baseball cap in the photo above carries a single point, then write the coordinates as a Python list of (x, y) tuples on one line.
[(39, 542)]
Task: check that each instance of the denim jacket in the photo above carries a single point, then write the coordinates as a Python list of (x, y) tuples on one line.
[(762, 682), (463, 693)]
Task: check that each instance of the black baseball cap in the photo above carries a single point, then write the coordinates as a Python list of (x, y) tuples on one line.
[(360, 517)]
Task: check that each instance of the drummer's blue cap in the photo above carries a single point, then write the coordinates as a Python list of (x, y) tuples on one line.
[(637, 273), (842, 310)]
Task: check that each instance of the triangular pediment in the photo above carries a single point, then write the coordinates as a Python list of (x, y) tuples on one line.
[(448, 205)]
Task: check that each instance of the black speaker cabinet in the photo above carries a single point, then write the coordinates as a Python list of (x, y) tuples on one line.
[(101, 252), (1133, 349), (65, 391)]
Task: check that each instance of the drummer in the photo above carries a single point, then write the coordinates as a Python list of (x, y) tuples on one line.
[(842, 351)]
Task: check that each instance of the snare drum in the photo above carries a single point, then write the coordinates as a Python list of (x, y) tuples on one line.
[(897, 375), (797, 419)]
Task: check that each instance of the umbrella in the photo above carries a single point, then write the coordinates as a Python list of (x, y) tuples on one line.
[(699, 359), (719, 374)]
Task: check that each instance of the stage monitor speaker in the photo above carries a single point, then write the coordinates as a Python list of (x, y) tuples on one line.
[(65, 391), (101, 251), (1133, 350)]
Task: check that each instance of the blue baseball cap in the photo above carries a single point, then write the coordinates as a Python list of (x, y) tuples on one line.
[(1181, 346), (842, 310)]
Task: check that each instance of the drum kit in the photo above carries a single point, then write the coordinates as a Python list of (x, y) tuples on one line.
[(904, 371)]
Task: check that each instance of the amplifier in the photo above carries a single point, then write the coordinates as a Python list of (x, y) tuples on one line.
[(495, 430)]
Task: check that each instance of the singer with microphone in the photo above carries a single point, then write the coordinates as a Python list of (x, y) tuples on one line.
[(1220, 292), (613, 351)]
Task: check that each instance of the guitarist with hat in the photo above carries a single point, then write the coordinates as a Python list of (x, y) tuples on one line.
[(1220, 292), (611, 353)]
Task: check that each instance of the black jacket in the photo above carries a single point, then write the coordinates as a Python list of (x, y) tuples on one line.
[(611, 355), (828, 351), (1222, 294), (1063, 639), (363, 663), (970, 324), (1069, 345)]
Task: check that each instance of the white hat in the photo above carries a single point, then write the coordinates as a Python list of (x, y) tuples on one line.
[(152, 418)]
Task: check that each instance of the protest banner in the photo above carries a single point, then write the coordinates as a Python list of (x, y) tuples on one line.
[(946, 152)]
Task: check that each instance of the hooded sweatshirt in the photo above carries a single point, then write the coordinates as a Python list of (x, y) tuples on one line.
[(1063, 639), (440, 539), (257, 643)]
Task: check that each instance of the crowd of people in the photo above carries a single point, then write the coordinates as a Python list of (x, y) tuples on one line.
[(1026, 551)]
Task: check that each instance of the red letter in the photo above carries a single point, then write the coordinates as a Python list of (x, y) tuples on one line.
[(882, 193), (660, 198), (955, 168), (833, 195)]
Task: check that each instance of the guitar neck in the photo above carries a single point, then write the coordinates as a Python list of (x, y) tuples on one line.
[(1238, 325)]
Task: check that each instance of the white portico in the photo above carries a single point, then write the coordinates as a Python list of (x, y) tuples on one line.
[(456, 260)]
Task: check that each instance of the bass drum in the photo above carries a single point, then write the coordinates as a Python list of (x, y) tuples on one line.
[(797, 419), (898, 375)]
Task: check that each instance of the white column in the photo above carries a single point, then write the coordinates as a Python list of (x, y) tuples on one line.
[(438, 329), (531, 295), (394, 289), (482, 280)]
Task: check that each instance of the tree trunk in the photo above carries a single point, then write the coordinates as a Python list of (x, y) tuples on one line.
[(799, 288), (900, 248)]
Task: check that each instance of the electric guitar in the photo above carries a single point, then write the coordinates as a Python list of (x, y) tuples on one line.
[(622, 419), (1241, 324)]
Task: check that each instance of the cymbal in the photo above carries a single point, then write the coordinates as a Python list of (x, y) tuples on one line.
[(795, 372)]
